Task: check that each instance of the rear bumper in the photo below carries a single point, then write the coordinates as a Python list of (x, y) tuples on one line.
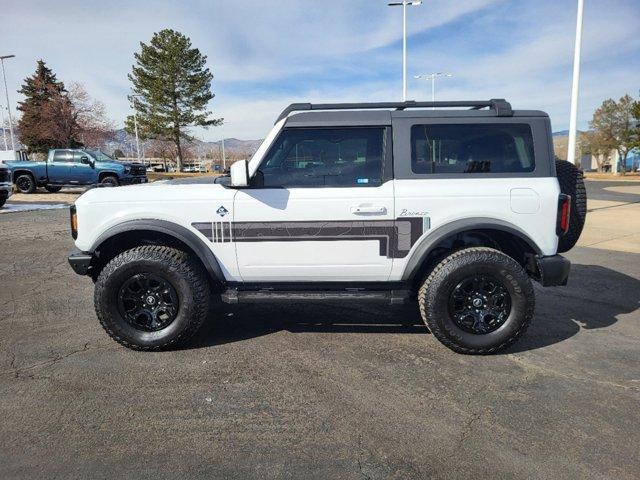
[(80, 262), (553, 270)]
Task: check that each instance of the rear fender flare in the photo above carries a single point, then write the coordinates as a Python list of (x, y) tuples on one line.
[(428, 242)]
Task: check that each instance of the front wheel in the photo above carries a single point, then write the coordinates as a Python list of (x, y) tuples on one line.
[(152, 297), (477, 301), (109, 181), (52, 188)]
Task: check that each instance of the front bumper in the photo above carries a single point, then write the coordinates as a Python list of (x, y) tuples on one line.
[(5, 191), (553, 270), (133, 180), (80, 262)]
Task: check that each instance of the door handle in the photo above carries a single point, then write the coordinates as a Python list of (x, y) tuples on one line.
[(368, 209)]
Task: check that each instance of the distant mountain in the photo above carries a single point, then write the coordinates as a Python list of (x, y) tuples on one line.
[(565, 133), (233, 146)]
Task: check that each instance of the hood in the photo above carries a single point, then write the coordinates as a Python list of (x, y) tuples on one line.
[(156, 192)]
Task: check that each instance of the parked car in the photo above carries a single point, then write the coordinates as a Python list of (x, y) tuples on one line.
[(457, 210), (74, 167), (6, 187)]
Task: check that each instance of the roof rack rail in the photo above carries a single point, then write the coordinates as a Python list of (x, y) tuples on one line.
[(501, 107)]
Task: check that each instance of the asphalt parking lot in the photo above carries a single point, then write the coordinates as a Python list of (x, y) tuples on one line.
[(338, 391)]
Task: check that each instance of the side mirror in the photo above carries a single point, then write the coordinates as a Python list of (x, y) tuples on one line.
[(86, 161), (240, 174)]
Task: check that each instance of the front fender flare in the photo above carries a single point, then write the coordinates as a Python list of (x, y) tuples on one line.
[(174, 230), (428, 242)]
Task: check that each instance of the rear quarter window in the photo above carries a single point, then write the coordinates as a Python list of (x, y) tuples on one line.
[(472, 148)]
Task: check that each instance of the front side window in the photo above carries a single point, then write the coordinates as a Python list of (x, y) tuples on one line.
[(77, 156), (325, 157), (472, 148)]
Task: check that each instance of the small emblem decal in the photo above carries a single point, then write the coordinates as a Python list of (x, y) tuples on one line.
[(222, 211)]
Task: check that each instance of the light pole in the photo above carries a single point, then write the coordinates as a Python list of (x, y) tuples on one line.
[(6, 92), (224, 158), (4, 130), (404, 4), (135, 125), (573, 117), (432, 77)]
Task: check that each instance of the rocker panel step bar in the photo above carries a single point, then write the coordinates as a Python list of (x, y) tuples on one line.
[(389, 297)]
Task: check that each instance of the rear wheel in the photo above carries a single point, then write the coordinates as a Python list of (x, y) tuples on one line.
[(25, 183), (572, 183), (152, 297), (109, 181), (477, 301), (52, 188)]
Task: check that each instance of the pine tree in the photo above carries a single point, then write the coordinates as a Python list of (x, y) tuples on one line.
[(39, 90), (171, 89)]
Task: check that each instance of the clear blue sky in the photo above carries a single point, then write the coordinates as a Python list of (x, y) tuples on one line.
[(266, 54)]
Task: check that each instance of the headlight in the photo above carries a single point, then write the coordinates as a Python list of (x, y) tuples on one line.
[(127, 170)]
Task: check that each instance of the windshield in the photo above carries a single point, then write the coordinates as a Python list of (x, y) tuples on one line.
[(100, 156)]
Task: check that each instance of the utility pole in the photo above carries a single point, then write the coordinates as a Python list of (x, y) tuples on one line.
[(224, 158), (573, 117), (135, 125), (404, 5), (4, 131), (6, 92)]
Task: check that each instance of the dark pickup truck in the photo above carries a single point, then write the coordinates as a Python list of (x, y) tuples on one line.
[(73, 167)]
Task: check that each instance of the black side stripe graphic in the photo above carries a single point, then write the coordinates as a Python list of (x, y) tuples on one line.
[(395, 237)]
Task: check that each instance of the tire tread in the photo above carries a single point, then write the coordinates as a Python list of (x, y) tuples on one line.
[(427, 294), (172, 258)]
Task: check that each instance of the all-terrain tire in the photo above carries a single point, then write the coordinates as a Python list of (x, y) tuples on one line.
[(184, 274), (3, 200), (25, 183), (572, 183), (52, 188), (109, 181), (435, 293)]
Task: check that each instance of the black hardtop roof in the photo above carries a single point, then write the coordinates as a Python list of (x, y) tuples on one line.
[(496, 107)]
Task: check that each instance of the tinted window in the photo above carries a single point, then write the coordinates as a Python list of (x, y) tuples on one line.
[(62, 156), (321, 157), (471, 148)]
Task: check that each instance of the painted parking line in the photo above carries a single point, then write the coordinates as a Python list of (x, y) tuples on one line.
[(28, 207)]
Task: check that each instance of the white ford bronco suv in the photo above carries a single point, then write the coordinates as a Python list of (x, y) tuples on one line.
[(455, 205)]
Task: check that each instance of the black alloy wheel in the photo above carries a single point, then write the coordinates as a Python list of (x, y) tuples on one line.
[(148, 302), (25, 184), (479, 304)]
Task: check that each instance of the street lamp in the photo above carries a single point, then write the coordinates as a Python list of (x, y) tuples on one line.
[(404, 4), (135, 125), (224, 158), (6, 92), (4, 130), (575, 84), (432, 77)]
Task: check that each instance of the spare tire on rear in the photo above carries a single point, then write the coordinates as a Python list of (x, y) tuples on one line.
[(572, 183)]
